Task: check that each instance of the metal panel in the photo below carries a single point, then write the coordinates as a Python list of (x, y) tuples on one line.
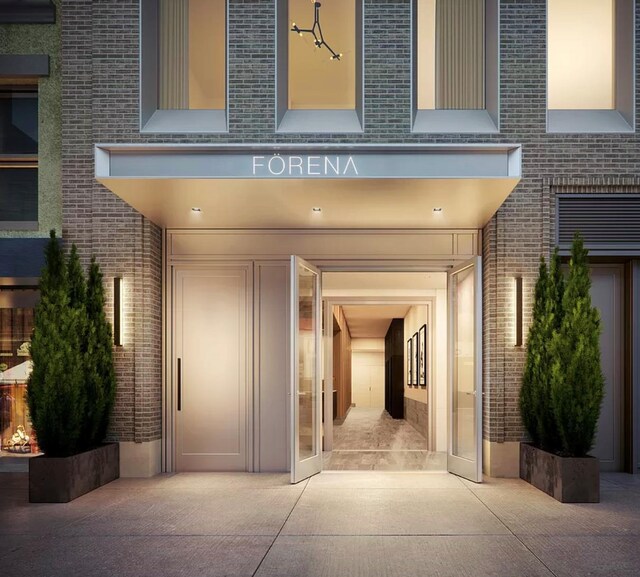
[(22, 257), (607, 221), (607, 296), (24, 65), (27, 12)]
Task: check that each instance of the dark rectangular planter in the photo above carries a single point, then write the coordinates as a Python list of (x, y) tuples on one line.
[(566, 479), (62, 479)]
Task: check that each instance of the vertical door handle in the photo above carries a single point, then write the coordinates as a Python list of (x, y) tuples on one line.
[(179, 384)]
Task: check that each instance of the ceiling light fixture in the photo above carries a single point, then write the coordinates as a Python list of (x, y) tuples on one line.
[(316, 32), (196, 209), (316, 209), (437, 209)]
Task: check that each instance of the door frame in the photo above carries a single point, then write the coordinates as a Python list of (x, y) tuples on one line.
[(169, 445), (329, 303), (348, 265), (303, 469), (466, 467)]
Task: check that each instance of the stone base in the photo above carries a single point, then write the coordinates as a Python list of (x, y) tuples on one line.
[(140, 459), (566, 479), (501, 459), (62, 479), (417, 415)]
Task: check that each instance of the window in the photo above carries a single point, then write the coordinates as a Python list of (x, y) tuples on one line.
[(18, 157), (319, 66), (29, 12), (456, 65), (16, 324), (589, 65), (184, 82)]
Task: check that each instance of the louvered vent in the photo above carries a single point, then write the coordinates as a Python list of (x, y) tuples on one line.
[(610, 220)]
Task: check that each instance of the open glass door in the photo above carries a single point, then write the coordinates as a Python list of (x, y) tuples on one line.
[(465, 370), (306, 395)]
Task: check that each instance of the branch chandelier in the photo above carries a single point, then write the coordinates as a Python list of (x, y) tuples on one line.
[(316, 31)]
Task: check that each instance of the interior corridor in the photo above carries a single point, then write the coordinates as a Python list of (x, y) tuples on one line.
[(369, 439)]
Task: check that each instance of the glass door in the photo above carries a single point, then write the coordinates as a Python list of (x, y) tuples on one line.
[(306, 396), (465, 370)]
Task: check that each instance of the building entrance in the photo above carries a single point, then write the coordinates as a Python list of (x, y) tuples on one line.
[(246, 385)]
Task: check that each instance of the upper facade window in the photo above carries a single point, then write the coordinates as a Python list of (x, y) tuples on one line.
[(27, 12), (319, 66), (456, 66), (184, 66), (18, 157), (589, 65)]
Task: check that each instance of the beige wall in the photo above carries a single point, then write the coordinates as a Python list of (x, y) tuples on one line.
[(367, 373), (316, 81), (581, 54), (426, 57), (416, 317), (435, 394), (207, 49)]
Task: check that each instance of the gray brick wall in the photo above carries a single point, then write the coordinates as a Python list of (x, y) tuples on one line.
[(100, 104)]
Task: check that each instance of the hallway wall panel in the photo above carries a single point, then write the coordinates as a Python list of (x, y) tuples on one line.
[(272, 365)]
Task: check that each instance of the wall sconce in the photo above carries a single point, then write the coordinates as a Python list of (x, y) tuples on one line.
[(117, 311), (517, 309)]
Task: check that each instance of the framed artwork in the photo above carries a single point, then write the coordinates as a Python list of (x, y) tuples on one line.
[(409, 362), (415, 345), (422, 356)]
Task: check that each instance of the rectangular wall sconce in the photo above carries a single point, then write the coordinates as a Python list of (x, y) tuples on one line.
[(517, 302), (117, 311)]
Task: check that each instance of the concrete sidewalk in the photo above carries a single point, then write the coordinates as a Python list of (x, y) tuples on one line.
[(342, 524)]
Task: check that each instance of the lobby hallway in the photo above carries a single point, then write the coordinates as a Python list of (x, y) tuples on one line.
[(369, 439), (371, 524)]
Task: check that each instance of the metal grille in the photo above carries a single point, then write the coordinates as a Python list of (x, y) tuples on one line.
[(604, 220)]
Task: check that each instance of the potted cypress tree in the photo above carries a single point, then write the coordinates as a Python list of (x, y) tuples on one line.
[(71, 388), (562, 385)]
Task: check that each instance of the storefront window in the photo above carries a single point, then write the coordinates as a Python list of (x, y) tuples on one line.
[(16, 323)]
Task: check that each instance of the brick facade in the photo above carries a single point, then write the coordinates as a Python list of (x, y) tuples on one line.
[(101, 104)]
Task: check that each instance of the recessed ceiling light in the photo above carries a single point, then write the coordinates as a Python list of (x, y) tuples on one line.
[(316, 209), (437, 209), (196, 209)]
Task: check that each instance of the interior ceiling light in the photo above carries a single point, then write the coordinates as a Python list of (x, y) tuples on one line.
[(316, 209), (196, 209), (316, 31), (437, 209)]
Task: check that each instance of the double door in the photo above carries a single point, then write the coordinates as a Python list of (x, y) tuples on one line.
[(212, 368), (464, 456)]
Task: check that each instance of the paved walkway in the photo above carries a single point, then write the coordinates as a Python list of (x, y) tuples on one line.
[(344, 524)]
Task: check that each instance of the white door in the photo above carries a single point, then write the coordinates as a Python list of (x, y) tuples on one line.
[(465, 370), (212, 368), (306, 392)]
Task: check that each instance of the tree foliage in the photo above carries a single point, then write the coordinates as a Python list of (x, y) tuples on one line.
[(55, 393), (562, 384), (72, 386), (577, 382), (100, 373), (535, 367)]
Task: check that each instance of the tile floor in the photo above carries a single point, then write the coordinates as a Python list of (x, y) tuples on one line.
[(369, 439), (336, 523)]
